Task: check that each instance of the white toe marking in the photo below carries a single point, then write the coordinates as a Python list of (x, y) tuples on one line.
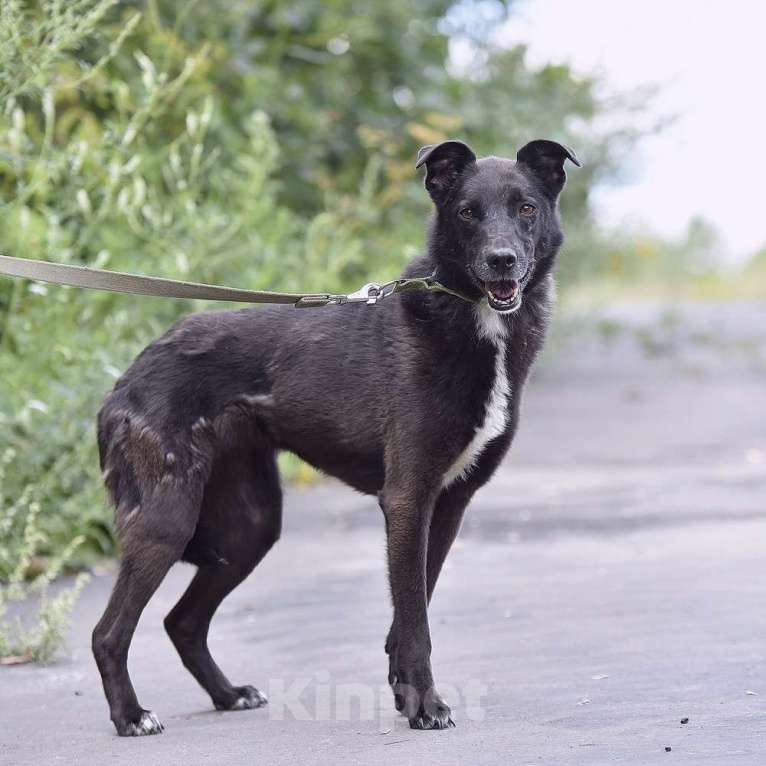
[(147, 724), (489, 325)]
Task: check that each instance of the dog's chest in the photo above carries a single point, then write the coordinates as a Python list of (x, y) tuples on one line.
[(491, 326)]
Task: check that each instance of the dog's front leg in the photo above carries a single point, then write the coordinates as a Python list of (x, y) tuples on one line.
[(408, 513), (445, 523)]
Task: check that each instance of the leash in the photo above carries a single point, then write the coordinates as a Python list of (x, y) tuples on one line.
[(138, 284)]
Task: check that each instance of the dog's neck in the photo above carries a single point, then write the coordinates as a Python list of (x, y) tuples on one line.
[(490, 325)]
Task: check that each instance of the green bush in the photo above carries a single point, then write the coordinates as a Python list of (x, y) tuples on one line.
[(61, 349)]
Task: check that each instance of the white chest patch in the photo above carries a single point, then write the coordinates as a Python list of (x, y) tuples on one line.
[(488, 325)]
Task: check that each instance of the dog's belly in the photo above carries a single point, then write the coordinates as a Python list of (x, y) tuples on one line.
[(361, 469), (496, 412)]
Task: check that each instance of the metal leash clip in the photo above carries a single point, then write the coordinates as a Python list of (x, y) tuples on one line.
[(371, 293)]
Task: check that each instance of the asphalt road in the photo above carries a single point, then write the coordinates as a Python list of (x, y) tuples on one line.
[(606, 585)]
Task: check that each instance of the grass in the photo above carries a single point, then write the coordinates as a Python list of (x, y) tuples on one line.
[(28, 577)]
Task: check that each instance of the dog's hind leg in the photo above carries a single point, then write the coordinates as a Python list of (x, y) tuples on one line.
[(239, 523), (188, 624), (153, 535)]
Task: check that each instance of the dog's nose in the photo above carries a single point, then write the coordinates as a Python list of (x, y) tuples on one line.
[(501, 260)]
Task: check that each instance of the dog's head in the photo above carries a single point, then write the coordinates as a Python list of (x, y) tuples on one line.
[(496, 219)]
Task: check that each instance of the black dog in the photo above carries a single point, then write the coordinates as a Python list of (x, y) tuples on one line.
[(415, 401)]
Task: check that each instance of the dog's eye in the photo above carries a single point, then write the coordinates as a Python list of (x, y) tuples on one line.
[(527, 210), (466, 213)]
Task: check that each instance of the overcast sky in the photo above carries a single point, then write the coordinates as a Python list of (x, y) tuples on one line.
[(709, 57)]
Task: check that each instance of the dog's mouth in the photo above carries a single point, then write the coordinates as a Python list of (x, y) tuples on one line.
[(503, 295)]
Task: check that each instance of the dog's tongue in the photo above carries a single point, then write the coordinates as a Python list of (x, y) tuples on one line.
[(503, 290)]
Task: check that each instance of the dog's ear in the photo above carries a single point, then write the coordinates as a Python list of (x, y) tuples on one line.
[(444, 164), (546, 160)]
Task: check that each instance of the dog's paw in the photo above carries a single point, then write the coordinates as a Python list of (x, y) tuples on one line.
[(428, 721), (249, 698), (432, 714), (147, 724)]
